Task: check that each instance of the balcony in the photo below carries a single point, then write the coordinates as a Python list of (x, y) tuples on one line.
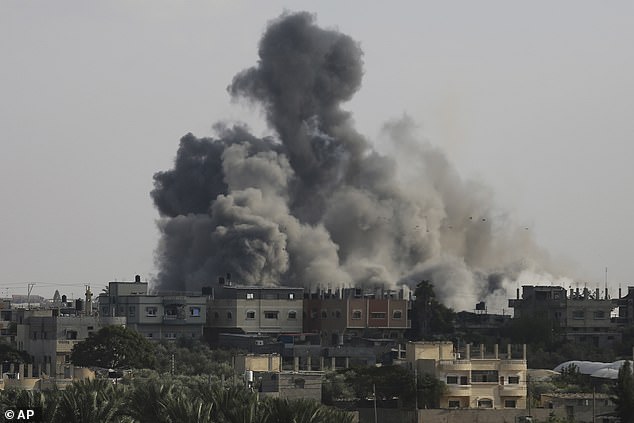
[(512, 365), (513, 390), (455, 365)]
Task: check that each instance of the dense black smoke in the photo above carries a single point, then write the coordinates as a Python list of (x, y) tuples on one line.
[(316, 205)]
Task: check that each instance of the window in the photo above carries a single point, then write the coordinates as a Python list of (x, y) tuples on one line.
[(150, 311), (216, 315), (454, 404), (292, 315), (229, 315), (71, 334), (299, 383), (170, 335), (599, 314), (34, 335), (501, 380), (291, 296), (338, 314), (313, 313), (324, 314), (270, 315), (510, 403), (356, 314), (514, 380), (377, 315), (578, 315), (485, 403), (249, 295), (464, 380), (131, 311), (452, 380), (149, 335), (250, 314), (397, 314), (194, 311), (484, 376)]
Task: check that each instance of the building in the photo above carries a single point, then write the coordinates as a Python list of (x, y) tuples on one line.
[(580, 316), (581, 407), (479, 380), (291, 385), (49, 336), (349, 313), (154, 316), (257, 310)]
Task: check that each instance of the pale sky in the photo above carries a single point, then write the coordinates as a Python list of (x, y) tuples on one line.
[(533, 99)]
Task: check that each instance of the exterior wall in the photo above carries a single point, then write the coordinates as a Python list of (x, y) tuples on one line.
[(49, 339), (583, 316), (478, 381), (292, 385), (155, 316), (349, 314), (257, 363), (255, 309)]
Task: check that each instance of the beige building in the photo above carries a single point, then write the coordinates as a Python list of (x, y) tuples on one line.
[(474, 379), (156, 317), (253, 309), (49, 337)]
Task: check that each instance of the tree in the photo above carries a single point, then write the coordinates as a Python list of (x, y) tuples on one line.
[(624, 394), (114, 347), (430, 390), (430, 317)]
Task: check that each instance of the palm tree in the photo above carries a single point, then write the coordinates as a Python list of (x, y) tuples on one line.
[(181, 409), (90, 401), (144, 401)]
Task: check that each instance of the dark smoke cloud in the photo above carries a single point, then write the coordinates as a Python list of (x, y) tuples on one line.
[(316, 204)]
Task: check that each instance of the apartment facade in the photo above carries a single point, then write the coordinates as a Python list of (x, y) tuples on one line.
[(49, 337), (581, 316), (349, 313), (474, 380), (154, 316), (253, 310)]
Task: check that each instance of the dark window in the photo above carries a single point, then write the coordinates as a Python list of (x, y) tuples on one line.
[(514, 380), (250, 314), (229, 315), (578, 314), (292, 315), (452, 380), (485, 403), (484, 376), (464, 380), (270, 314), (377, 315), (324, 314), (599, 314), (454, 404), (356, 314), (398, 314), (510, 403), (338, 314)]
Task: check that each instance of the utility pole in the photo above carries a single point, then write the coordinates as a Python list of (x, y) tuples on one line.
[(416, 385), (374, 392)]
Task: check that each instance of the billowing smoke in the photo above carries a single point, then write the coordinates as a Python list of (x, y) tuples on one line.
[(316, 204)]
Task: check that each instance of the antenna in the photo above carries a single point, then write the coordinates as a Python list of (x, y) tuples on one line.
[(28, 296)]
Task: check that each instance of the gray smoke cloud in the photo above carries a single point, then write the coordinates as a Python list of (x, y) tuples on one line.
[(316, 204)]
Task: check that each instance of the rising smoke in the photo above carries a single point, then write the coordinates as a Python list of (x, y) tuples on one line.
[(317, 205)]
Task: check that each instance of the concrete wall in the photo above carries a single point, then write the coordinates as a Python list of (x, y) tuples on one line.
[(257, 363)]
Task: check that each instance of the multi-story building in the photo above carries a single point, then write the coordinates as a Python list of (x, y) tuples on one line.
[(349, 313), (479, 380), (582, 316), (257, 310), (154, 316), (49, 337)]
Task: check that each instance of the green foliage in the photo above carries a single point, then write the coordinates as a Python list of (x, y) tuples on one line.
[(624, 394), (192, 357), (11, 354), (114, 347), (358, 383), (160, 400), (430, 318), (430, 390)]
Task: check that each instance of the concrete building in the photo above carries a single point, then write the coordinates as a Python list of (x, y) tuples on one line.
[(49, 337), (291, 385), (479, 380), (154, 316), (256, 310), (582, 316), (349, 313)]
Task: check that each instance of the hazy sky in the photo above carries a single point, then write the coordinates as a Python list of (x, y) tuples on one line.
[(533, 99)]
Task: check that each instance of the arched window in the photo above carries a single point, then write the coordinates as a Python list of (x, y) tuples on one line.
[(292, 315)]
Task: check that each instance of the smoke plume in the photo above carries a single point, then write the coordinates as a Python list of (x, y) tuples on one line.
[(316, 204)]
